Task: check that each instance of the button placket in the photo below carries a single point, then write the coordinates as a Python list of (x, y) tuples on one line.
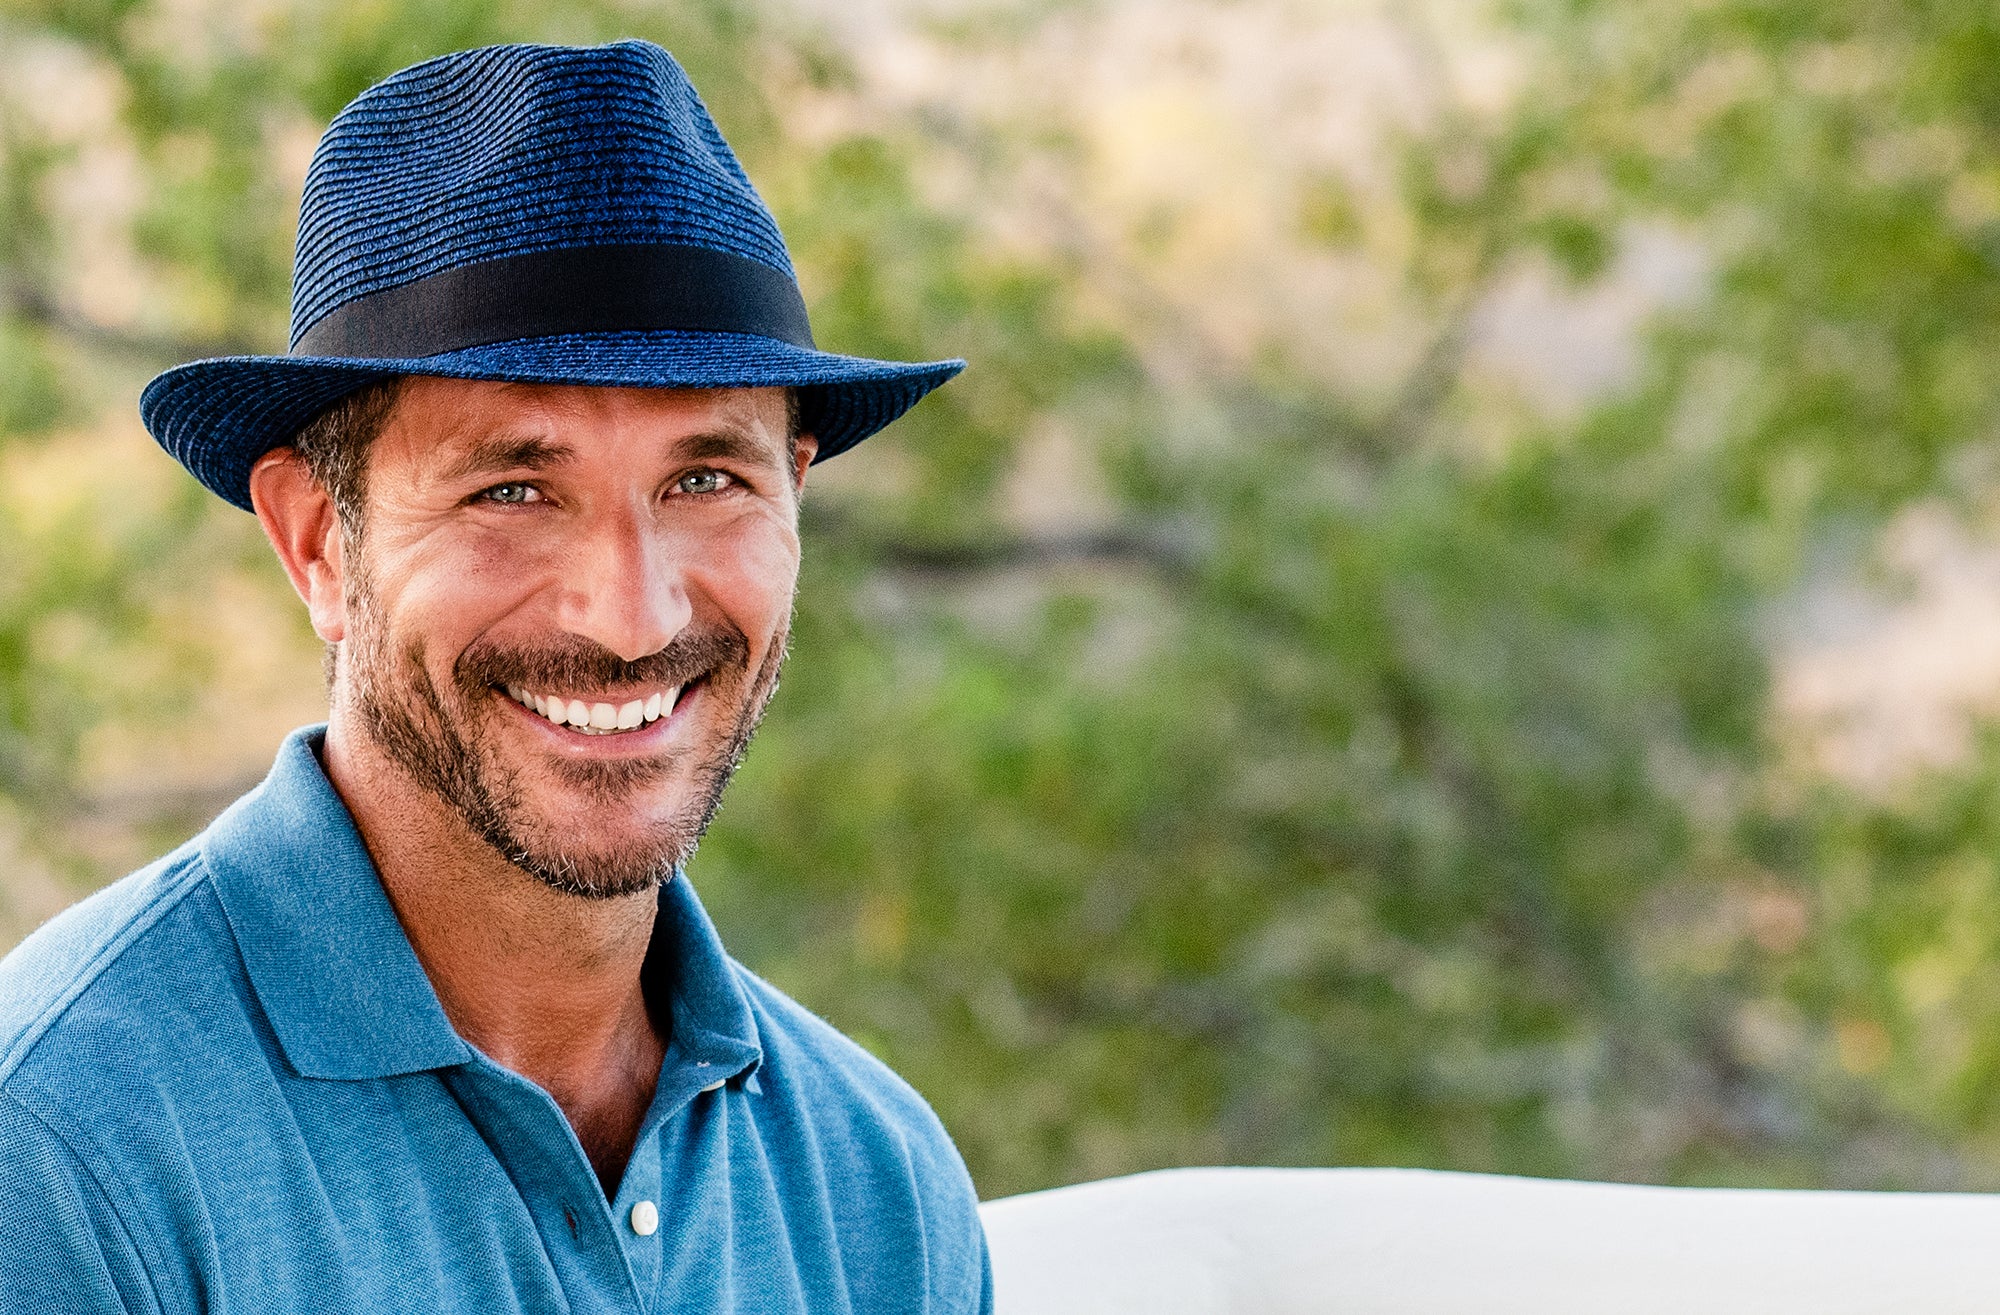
[(523, 1123), (637, 1209)]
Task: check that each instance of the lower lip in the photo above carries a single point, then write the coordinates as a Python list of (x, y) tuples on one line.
[(641, 738)]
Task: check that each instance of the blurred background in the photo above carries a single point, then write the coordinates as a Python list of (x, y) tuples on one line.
[(1453, 621)]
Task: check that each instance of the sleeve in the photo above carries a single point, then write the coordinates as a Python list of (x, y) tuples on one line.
[(961, 1268), (985, 1276), (63, 1248)]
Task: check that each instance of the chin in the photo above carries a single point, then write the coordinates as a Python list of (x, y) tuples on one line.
[(606, 827), (640, 859)]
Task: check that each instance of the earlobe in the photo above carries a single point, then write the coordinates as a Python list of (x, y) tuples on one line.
[(299, 519)]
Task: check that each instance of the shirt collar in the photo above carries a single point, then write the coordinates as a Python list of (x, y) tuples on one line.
[(336, 975), (713, 1030)]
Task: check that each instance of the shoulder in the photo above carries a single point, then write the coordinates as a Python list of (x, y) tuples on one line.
[(129, 1012), (802, 1048), (107, 956), (872, 1127), (96, 1022)]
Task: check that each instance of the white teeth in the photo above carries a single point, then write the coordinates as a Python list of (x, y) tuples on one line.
[(529, 699), (597, 718)]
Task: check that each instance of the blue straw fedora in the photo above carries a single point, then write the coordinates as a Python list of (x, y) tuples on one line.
[(545, 214)]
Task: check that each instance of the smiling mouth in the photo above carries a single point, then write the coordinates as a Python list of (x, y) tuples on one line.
[(598, 717)]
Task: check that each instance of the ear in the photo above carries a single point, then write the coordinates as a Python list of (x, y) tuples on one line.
[(300, 521), (802, 455)]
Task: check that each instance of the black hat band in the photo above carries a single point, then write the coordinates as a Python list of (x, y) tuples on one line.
[(538, 294)]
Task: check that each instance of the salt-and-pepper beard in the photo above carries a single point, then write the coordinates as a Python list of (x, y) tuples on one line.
[(402, 710)]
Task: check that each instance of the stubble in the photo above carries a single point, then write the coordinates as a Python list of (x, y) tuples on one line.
[(443, 739)]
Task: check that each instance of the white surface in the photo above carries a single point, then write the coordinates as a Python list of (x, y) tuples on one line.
[(1401, 1241)]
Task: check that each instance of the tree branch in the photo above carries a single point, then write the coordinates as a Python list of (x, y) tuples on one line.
[(1431, 380), (1150, 547), (38, 307)]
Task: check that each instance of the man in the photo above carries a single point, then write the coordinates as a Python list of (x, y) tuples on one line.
[(428, 1021)]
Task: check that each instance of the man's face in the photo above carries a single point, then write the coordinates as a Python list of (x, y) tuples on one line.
[(567, 608)]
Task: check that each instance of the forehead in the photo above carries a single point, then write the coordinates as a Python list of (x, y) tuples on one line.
[(436, 423)]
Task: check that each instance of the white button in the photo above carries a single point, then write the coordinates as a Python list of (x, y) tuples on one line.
[(713, 1086), (645, 1219)]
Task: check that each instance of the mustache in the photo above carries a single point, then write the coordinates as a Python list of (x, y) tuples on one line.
[(573, 663)]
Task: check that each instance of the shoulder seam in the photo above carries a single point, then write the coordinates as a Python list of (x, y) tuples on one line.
[(147, 1253), (177, 883)]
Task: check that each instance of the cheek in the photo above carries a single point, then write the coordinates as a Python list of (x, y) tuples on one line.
[(451, 589), (750, 573)]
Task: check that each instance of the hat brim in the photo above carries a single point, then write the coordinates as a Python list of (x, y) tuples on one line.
[(217, 417)]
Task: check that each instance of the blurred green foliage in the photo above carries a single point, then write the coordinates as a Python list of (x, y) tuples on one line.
[(1355, 794)]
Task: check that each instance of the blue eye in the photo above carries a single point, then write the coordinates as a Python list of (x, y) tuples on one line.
[(702, 481), (511, 493)]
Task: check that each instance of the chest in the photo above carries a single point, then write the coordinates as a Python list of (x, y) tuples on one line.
[(469, 1191)]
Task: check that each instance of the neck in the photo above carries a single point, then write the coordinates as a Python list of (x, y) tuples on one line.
[(543, 982)]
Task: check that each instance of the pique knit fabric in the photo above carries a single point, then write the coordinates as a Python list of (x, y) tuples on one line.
[(227, 1086), (500, 152)]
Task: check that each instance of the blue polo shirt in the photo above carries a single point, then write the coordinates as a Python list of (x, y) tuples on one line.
[(227, 1086)]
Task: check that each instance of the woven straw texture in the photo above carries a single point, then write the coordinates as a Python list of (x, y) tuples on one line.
[(498, 152)]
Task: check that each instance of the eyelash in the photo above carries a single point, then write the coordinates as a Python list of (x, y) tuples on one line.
[(725, 481), (490, 495)]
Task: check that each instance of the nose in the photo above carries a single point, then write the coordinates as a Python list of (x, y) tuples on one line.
[(623, 588)]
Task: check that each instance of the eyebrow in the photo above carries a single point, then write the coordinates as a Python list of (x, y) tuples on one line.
[(512, 452), (724, 444), (506, 453)]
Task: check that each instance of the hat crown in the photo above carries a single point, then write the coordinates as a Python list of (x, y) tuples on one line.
[(514, 149)]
